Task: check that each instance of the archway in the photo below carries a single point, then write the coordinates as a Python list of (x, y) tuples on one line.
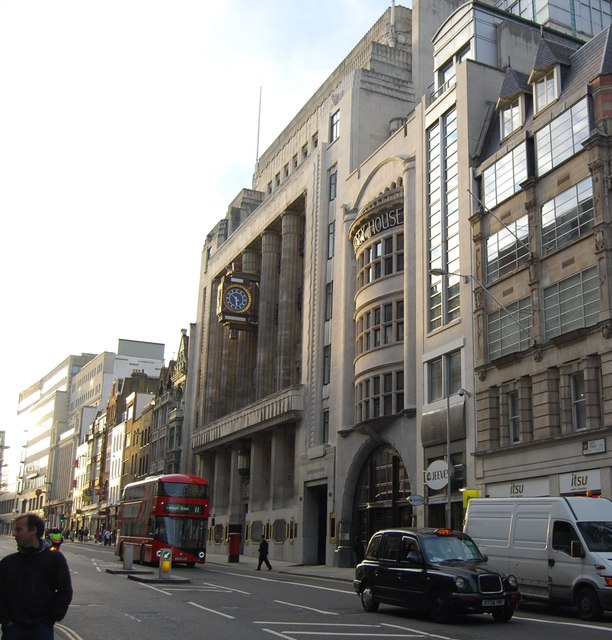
[(382, 493)]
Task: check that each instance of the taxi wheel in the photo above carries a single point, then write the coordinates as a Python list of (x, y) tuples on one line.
[(505, 615), (367, 599), (588, 605), (439, 608)]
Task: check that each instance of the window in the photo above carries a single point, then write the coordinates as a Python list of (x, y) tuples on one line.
[(381, 325), (567, 216), (294, 161), (562, 138), (331, 239), (508, 328), (325, 426), (305, 151), (545, 90), (443, 220), (380, 395), (286, 170), (334, 126), (578, 400), (503, 179), (277, 179), (511, 118), (333, 184), (508, 249), (514, 418), (572, 303), (329, 300), (315, 140), (383, 257), (444, 376), (326, 364)]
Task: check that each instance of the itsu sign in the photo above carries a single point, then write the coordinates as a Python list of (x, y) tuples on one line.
[(436, 476)]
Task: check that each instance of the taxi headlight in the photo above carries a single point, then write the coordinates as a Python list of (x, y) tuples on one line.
[(512, 581), (460, 583)]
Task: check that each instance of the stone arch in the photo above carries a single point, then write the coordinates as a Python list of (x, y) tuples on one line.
[(387, 509)]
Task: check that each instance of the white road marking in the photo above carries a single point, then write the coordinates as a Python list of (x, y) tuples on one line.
[(219, 613), (301, 606), (350, 592), (561, 622)]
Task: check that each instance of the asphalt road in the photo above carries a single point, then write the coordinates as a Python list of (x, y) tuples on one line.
[(223, 600)]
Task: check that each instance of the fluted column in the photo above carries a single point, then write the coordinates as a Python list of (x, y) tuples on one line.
[(288, 324), (268, 300), (215, 339), (247, 345)]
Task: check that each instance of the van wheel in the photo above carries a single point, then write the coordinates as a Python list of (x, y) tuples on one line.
[(368, 602), (439, 608), (588, 605)]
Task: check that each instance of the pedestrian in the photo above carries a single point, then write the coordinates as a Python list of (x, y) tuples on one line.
[(106, 536), (358, 546), (35, 584), (263, 554)]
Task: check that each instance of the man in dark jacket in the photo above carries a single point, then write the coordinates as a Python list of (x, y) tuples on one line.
[(35, 584), (263, 554)]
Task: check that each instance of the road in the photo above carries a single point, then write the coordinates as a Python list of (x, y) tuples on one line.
[(233, 601)]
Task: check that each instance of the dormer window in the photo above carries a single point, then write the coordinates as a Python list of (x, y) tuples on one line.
[(511, 117), (546, 89)]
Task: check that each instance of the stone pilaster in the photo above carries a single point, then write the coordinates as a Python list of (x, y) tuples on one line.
[(268, 299), (288, 317)]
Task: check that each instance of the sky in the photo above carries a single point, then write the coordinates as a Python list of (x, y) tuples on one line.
[(126, 129)]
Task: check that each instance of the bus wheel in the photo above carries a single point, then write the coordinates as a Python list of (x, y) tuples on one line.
[(121, 552), (142, 556)]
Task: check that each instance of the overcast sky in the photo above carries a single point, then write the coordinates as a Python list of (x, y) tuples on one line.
[(126, 128)]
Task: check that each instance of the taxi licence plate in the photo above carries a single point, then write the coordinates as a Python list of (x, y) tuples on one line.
[(494, 603)]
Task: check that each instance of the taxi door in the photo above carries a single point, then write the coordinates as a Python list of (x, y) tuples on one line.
[(412, 573)]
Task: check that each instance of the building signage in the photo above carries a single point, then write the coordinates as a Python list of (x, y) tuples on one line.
[(436, 476), (376, 224), (580, 481), (532, 488), (590, 447)]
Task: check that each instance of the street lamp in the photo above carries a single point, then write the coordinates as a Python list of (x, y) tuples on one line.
[(449, 465)]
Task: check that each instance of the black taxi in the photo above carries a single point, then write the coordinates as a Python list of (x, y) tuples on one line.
[(435, 570)]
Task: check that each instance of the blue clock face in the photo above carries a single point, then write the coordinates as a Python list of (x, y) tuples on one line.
[(237, 298)]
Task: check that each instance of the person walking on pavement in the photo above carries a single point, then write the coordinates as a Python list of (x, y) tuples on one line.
[(35, 584), (263, 554)]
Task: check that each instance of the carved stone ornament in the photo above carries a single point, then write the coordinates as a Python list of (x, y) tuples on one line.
[(606, 330), (537, 354), (600, 240)]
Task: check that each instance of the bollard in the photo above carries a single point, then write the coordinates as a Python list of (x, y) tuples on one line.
[(128, 556), (165, 562)]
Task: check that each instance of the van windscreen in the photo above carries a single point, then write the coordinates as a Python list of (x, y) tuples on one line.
[(597, 535)]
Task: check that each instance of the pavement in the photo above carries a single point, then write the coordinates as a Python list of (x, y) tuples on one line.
[(279, 566)]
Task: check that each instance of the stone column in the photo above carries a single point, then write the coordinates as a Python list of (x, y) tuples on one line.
[(215, 337), (247, 345), (283, 465), (260, 474), (220, 494), (268, 299), (288, 317)]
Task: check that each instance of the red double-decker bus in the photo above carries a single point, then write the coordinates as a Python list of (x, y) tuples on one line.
[(163, 512)]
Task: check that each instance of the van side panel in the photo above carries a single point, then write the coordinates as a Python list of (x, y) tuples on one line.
[(529, 550), (489, 526)]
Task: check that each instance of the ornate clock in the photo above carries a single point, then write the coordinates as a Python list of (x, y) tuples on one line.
[(237, 298)]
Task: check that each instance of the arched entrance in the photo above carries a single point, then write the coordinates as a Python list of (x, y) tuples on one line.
[(381, 498)]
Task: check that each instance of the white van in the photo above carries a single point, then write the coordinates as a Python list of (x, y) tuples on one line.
[(560, 549)]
